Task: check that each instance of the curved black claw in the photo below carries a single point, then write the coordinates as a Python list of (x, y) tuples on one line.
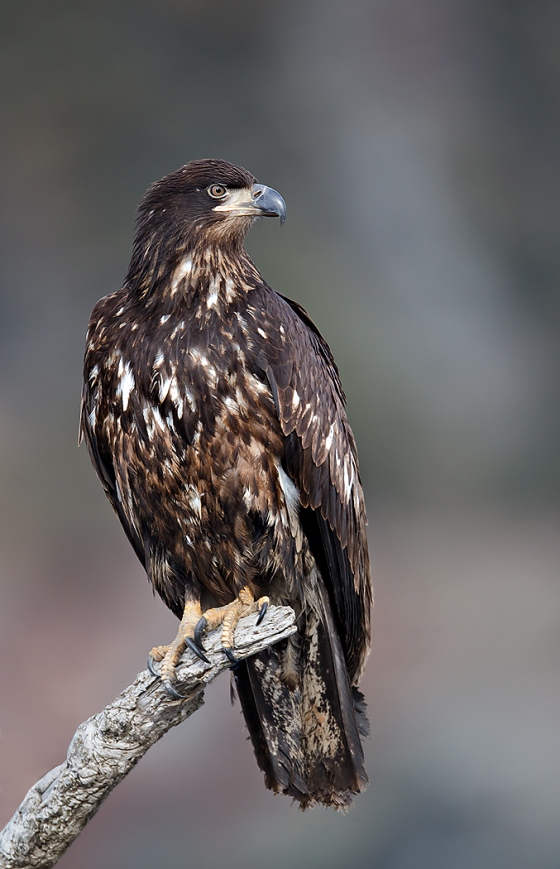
[(262, 612), (171, 690), (197, 650), (235, 662), (151, 667), (198, 631)]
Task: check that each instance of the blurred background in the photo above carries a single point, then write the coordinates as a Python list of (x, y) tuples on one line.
[(416, 143)]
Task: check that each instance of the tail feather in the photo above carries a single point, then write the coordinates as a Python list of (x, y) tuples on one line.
[(306, 738), (272, 718), (360, 711)]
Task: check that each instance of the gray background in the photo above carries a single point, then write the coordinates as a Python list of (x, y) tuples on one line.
[(416, 143)]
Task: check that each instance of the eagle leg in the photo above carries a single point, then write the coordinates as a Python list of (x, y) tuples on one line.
[(170, 655), (228, 616)]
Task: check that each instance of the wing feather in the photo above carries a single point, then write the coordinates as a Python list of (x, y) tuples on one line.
[(321, 458), (91, 430)]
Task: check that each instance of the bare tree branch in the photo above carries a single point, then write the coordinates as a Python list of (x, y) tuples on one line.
[(106, 747)]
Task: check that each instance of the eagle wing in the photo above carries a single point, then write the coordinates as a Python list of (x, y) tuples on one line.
[(93, 415), (321, 458)]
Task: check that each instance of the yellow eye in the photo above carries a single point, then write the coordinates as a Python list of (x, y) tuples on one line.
[(216, 191)]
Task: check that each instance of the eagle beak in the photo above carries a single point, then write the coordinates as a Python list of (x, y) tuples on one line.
[(268, 202), (258, 201)]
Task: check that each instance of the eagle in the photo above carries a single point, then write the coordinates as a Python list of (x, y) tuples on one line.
[(214, 415)]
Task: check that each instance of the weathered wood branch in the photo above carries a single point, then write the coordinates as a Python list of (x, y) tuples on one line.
[(106, 746)]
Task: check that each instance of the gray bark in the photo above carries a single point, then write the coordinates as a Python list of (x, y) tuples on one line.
[(106, 746)]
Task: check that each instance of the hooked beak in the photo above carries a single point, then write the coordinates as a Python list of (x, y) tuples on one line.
[(258, 201), (268, 201)]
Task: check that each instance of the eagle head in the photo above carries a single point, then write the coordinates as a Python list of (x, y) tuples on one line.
[(208, 200)]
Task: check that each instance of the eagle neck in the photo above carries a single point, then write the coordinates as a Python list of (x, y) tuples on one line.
[(207, 276)]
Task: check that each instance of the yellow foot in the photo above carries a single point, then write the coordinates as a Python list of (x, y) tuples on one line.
[(228, 616), (194, 623), (170, 655)]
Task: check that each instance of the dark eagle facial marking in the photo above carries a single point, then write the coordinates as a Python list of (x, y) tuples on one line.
[(214, 416)]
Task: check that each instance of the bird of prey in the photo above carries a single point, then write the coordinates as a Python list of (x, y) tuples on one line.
[(215, 418)]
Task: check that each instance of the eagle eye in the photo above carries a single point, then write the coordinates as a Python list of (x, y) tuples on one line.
[(217, 191)]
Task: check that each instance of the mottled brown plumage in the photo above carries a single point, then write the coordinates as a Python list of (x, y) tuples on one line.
[(214, 415)]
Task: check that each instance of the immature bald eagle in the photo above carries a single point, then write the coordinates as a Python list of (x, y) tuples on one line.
[(214, 416)]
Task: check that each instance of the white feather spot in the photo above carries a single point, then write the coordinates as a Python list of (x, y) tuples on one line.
[(203, 361), (291, 496), (242, 322), (195, 501), (126, 384), (240, 399), (164, 388), (197, 433), (198, 357), (181, 272), (213, 290), (348, 481), (259, 386), (329, 439), (164, 319), (157, 417), (175, 396), (230, 290)]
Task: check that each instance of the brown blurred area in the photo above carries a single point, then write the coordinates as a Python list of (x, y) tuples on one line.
[(417, 147)]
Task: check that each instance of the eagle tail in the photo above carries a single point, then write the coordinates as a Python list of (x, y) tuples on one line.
[(303, 716)]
